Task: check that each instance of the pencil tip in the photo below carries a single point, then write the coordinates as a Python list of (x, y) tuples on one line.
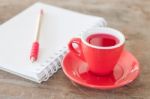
[(41, 11)]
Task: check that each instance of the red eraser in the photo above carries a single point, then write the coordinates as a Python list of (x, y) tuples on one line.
[(34, 51)]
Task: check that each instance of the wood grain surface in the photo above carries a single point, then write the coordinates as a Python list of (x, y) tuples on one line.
[(132, 17)]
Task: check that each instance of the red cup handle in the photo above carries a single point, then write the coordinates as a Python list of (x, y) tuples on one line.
[(76, 51)]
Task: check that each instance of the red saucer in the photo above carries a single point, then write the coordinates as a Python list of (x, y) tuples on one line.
[(126, 70)]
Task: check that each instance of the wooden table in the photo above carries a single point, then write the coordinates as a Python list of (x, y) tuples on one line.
[(132, 17)]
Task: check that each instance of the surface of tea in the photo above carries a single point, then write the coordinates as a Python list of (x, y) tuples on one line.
[(102, 40)]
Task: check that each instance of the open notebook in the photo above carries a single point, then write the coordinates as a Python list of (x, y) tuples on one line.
[(58, 27)]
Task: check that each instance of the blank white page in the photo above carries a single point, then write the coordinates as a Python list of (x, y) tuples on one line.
[(17, 34)]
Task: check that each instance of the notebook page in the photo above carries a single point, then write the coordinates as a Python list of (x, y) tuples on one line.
[(17, 35)]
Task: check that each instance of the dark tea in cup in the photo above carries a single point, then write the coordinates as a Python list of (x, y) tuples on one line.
[(102, 40)]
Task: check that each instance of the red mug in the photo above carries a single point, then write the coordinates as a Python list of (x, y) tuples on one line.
[(100, 59)]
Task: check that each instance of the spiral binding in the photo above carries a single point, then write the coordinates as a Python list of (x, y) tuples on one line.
[(53, 64)]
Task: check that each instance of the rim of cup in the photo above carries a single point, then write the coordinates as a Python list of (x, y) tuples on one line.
[(103, 30)]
